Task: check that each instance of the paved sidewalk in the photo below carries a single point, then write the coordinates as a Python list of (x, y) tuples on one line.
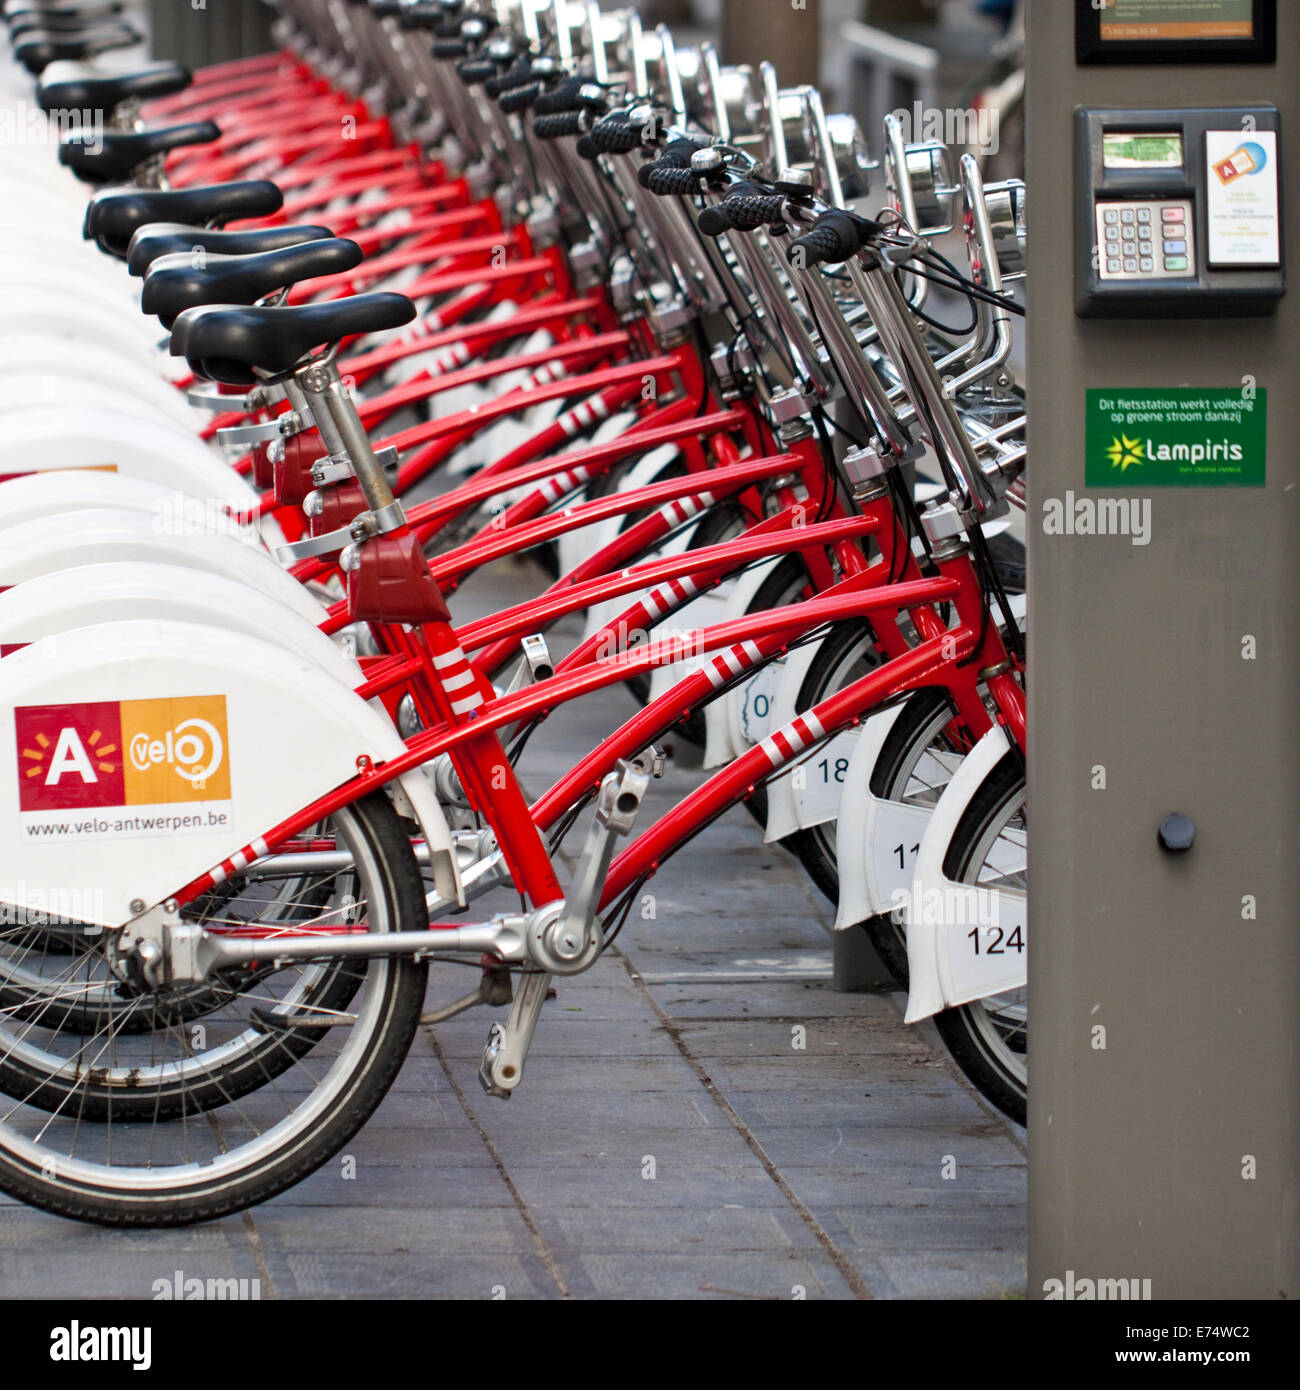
[(702, 1117)]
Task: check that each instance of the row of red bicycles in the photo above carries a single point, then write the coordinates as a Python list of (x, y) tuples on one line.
[(443, 284)]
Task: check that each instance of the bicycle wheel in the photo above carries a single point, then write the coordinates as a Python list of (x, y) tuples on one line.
[(55, 976), (54, 1011), (988, 1038), (203, 1163)]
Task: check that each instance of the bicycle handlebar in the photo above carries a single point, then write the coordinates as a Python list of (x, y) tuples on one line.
[(617, 135), (474, 72), (556, 127), (835, 236), (669, 180), (572, 94), (518, 98), (744, 212), (517, 76)]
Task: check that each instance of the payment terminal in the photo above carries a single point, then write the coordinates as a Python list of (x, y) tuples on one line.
[(1179, 213)]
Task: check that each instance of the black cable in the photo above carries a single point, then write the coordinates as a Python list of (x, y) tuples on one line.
[(949, 328), (830, 474), (953, 279)]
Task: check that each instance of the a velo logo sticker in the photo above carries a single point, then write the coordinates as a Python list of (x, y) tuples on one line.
[(123, 754)]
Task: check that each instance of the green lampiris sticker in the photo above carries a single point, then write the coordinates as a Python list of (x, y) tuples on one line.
[(1176, 438)]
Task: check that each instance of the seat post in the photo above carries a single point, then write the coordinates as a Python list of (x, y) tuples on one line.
[(336, 417)]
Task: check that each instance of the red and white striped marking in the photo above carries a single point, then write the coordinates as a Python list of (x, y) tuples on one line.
[(237, 863), (683, 508), (733, 662), (788, 742), (669, 596), (581, 416), (555, 488), (455, 673)]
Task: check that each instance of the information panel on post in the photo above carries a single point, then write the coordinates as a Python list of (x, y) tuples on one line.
[(1176, 31), (1178, 212)]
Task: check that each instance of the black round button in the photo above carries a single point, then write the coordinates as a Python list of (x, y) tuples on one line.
[(1177, 833)]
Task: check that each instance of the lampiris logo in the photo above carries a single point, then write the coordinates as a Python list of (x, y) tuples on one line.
[(1125, 452), (1177, 437), (122, 753)]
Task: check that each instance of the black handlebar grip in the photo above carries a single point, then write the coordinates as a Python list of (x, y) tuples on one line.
[(556, 127), (519, 98), (714, 220), (617, 137), (587, 148), (835, 237), (749, 212), (517, 76), (823, 246), (420, 14), (451, 48), (447, 29), (475, 71), (670, 182), (677, 153), (568, 96)]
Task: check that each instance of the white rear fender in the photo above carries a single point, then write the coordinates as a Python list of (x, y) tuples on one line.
[(37, 311), (68, 600), (31, 496), (144, 754), (851, 842), (951, 926), (67, 362), (38, 441), (895, 830), (721, 746), (780, 684), (108, 535)]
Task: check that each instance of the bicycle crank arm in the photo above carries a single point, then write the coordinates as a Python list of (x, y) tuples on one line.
[(564, 938), (507, 1047), (575, 940)]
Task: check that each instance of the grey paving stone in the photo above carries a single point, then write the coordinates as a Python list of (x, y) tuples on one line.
[(407, 1186), (129, 1274), (682, 1229), (413, 1275), (446, 1230), (668, 1274), (690, 1188)]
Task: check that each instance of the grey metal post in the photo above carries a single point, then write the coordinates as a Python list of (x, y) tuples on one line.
[(197, 32), (1165, 1055), (785, 31)]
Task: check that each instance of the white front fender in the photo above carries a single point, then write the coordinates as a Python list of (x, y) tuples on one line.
[(945, 965)]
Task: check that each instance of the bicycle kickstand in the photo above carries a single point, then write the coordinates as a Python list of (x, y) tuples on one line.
[(567, 939)]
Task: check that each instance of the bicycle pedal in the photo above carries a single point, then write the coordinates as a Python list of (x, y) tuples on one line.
[(502, 1067), (265, 1021)]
